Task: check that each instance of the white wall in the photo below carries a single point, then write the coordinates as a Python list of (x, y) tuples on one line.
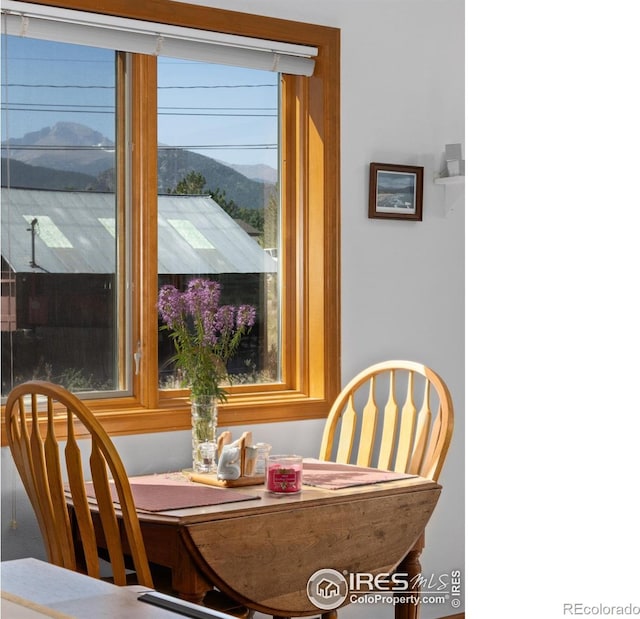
[(402, 98)]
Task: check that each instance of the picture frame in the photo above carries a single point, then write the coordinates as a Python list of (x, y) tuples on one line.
[(395, 191)]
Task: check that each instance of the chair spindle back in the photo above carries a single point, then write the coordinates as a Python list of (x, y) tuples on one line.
[(31, 412), (394, 415)]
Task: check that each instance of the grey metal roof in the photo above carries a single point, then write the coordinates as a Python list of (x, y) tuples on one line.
[(75, 234)]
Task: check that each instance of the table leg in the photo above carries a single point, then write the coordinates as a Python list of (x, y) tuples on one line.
[(411, 565), (187, 581), (195, 597)]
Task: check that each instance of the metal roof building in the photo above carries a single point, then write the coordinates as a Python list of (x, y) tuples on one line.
[(75, 233)]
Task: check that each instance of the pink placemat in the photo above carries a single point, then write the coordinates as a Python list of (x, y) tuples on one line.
[(158, 493), (333, 476)]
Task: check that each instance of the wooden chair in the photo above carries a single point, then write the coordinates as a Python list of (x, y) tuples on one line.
[(32, 411), (384, 418), (396, 416)]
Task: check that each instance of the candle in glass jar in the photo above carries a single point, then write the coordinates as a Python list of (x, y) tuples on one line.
[(284, 474)]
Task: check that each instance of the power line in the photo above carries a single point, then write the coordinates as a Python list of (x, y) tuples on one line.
[(219, 86), (112, 107), (55, 105), (98, 86), (80, 86), (218, 146), (58, 59), (217, 114), (112, 111), (110, 147), (180, 107), (56, 111)]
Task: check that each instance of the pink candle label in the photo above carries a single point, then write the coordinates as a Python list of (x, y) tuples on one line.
[(282, 478)]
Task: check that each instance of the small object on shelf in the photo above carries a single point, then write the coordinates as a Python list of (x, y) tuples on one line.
[(453, 152), (454, 164), (449, 180), (453, 167), (453, 157)]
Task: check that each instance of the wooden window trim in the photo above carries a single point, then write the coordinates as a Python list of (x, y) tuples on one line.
[(311, 240)]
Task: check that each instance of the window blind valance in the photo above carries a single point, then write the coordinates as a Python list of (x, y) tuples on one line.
[(143, 37)]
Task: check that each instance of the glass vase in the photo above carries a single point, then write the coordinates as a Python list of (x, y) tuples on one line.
[(204, 421)]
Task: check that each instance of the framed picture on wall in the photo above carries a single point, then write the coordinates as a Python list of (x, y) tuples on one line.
[(395, 191)]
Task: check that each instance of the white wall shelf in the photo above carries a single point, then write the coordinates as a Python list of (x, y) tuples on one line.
[(449, 180)]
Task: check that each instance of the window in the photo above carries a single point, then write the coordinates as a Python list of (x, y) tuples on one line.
[(60, 217), (303, 245), (219, 201)]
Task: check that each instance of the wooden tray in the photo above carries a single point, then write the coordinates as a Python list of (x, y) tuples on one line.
[(212, 480)]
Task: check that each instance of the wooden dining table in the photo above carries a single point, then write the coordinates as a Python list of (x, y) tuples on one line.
[(262, 550)]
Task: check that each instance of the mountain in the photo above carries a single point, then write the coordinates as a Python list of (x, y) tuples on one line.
[(65, 146), (74, 156), (23, 175), (256, 172), (175, 163)]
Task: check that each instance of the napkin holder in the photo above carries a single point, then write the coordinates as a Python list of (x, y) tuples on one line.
[(235, 458)]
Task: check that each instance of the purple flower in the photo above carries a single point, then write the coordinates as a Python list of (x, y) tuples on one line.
[(171, 306), (209, 329), (246, 316), (206, 335), (202, 297), (225, 318)]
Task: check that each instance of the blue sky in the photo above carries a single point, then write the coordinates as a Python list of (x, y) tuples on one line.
[(230, 106), (200, 104)]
